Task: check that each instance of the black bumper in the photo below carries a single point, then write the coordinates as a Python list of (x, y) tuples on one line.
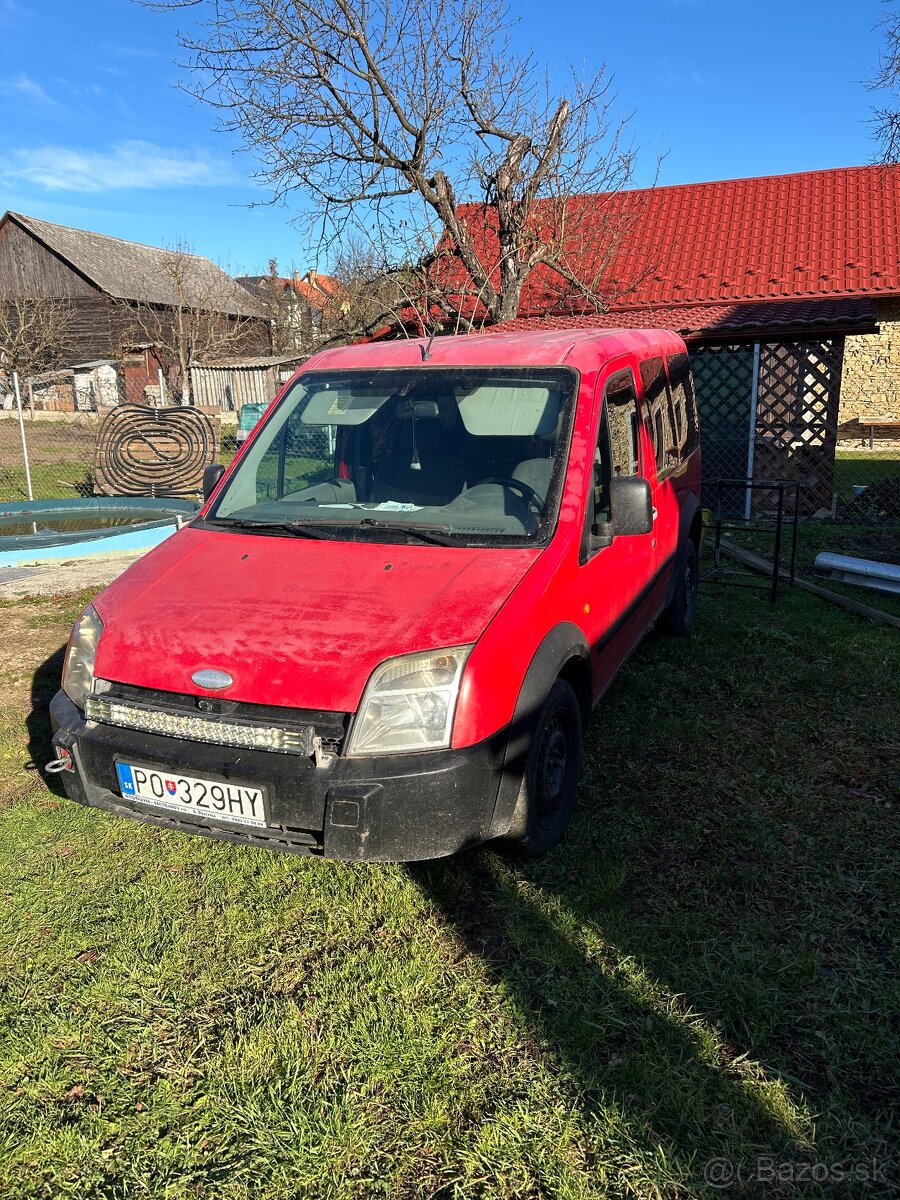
[(391, 808)]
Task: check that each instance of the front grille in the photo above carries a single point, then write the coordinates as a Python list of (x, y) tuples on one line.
[(232, 723)]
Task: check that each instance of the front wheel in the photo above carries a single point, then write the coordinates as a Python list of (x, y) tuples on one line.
[(547, 792), (678, 618)]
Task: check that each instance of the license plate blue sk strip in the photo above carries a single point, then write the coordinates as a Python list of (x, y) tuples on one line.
[(185, 793)]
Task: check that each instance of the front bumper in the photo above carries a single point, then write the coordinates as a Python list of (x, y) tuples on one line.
[(391, 808)]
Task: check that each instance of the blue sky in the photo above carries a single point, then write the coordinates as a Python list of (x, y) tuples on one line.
[(94, 131)]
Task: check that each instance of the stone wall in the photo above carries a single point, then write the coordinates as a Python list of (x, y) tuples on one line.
[(870, 386)]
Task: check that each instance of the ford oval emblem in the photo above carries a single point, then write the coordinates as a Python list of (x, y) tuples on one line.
[(213, 680)]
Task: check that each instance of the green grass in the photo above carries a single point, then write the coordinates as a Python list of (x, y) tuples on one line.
[(61, 458), (862, 468), (879, 542), (702, 971)]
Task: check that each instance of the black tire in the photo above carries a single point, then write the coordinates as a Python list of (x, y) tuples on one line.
[(547, 792), (678, 619)]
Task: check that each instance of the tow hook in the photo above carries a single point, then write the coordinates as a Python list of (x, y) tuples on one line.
[(63, 763)]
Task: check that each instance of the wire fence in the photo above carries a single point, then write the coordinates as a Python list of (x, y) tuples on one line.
[(851, 485), (50, 429)]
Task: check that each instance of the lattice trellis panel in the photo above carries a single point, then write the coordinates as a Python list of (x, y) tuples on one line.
[(797, 417), (723, 378)]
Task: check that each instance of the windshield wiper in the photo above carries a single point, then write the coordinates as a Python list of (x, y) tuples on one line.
[(296, 528), (437, 534)]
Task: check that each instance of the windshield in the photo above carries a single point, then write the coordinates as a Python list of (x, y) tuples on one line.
[(467, 456)]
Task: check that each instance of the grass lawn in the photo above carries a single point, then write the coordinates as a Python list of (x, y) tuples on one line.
[(703, 971), (879, 542), (60, 453), (863, 467)]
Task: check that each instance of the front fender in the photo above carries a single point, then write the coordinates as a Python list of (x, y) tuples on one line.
[(565, 644)]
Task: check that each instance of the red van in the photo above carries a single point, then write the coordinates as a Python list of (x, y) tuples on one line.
[(383, 634)]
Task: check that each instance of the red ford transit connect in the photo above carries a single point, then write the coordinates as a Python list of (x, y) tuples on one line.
[(383, 634)]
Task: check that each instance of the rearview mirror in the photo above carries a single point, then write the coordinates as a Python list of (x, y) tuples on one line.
[(211, 476), (631, 503)]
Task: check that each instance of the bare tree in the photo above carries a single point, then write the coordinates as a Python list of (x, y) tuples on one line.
[(370, 293), (35, 336), (417, 122), (887, 116), (198, 322)]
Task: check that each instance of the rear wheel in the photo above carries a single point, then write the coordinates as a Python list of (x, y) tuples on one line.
[(547, 792), (678, 618)]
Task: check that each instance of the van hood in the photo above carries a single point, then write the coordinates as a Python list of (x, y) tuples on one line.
[(296, 623)]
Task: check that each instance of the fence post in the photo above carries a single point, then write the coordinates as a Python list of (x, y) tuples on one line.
[(15, 376), (751, 446), (162, 387)]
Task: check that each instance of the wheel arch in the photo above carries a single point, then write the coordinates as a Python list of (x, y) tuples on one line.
[(690, 525), (563, 654)]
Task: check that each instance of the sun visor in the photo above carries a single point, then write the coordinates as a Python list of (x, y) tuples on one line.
[(520, 410), (341, 405)]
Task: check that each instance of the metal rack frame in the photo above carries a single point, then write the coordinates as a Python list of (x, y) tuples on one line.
[(725, 524)]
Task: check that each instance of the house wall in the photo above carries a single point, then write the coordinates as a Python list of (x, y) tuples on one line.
[(870, 387)]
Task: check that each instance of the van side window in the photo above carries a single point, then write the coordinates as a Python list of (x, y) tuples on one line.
[(621, 413), (617, 450), (659, 415), (684, 402)]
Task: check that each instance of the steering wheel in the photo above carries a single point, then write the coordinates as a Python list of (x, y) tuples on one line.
[(528, 494)]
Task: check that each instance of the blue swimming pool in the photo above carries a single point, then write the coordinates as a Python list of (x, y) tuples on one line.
[(44, 530)]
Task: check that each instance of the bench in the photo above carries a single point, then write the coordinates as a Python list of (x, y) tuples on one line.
[(889, 423)]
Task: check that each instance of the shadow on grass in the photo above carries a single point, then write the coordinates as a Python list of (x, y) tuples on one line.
[(44, 686), (625, 1055), (710, 881)]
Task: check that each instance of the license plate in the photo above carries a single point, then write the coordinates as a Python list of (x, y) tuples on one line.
[(217, 801)]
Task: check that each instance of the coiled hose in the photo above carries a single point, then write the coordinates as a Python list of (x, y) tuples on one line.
[(143, 451)]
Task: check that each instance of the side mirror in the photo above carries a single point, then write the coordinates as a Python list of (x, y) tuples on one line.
[(631, 502), (211, 476)]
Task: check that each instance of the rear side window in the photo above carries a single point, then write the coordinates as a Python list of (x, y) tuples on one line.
[(684, 402), (659, 416)]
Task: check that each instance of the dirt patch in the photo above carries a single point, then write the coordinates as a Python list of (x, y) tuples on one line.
[(64, 578)]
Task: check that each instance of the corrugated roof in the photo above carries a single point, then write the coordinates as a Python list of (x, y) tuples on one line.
[(831, 233), (263, 360), (147, 274)]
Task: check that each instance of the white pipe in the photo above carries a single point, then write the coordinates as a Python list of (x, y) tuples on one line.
[(15, 376), (751, 448), (862, 572)]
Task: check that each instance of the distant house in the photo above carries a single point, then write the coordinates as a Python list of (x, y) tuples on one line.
[(300, 306), (125, 298), (787, 289)]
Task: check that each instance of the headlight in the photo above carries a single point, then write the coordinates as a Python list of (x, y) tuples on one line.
[(78, 673), (409, 703)]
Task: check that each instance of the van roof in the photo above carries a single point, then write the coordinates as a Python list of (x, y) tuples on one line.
[(543, 348)]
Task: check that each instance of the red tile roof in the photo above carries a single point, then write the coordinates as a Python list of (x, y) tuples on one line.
[(315, 288), (831, 233), (705, 320)]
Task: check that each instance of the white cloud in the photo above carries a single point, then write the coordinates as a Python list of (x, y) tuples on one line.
[(23, 85), (126, 165)]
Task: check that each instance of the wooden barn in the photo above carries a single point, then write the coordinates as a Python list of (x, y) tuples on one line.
[(124, 300)]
